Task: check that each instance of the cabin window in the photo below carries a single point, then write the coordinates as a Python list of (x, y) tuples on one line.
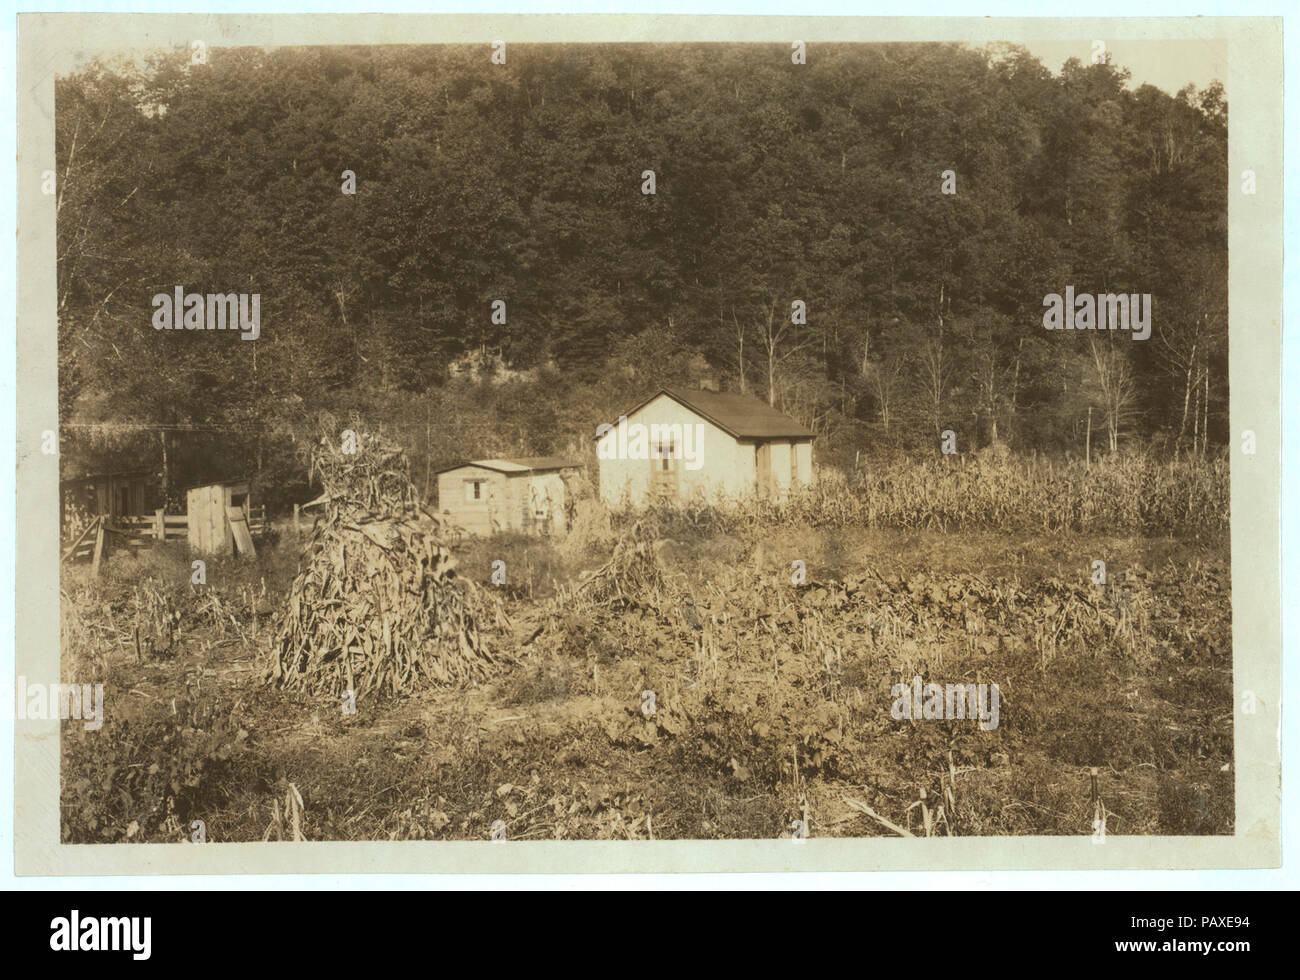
[(664, 451), (473, 489)]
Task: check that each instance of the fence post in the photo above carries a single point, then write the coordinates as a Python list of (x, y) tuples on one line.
[(159, 525), (99, 548)]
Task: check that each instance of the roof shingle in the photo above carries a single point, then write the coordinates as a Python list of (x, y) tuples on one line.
[(743, 416)]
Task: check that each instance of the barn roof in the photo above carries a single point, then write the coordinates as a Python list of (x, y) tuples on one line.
[(518, 464), (741, 416)]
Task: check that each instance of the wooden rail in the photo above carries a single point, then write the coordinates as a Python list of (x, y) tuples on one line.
[(89, 545), (143, 532), (257, 519), (83, 548)]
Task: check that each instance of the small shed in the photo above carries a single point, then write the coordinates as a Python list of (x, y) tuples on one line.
[(209, 509), (487, 496), (122, 493)]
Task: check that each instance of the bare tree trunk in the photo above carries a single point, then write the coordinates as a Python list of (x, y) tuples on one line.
[(1187, 400), (774, 336), (1205, 429), (934, 381), (1015, 384), (428, 422), (166, 475), (740, 349), (1115, 378), (771, 356), (257, 387), (1196, 420)]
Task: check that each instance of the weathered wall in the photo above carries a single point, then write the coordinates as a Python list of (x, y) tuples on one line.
[(782, 464), (495, 511), (803, 456), (208, 526), (728, 467), (509, 503), (780, 454), (541, 491)]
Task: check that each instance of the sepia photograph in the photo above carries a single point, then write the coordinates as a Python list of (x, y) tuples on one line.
[(520, 441)]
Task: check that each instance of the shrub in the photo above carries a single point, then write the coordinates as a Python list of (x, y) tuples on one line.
[(146, 780)]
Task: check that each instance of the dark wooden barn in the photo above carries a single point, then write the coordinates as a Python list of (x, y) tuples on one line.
[(124, 493)]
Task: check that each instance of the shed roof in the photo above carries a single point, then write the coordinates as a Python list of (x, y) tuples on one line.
[(742, 416), (102, 473), (518, 464), (233, 481), (110, 474)]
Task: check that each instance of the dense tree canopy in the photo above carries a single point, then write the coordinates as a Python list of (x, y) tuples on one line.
[(775, 182)]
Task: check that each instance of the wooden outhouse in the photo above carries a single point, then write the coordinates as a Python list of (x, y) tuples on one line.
[(486, 496), (214, 512)]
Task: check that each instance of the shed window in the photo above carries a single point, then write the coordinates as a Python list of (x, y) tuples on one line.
[(473, 489)]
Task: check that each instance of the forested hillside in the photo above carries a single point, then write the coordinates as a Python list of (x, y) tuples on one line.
[(525, 183)]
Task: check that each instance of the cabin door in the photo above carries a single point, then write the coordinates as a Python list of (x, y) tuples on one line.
[(663, 468)]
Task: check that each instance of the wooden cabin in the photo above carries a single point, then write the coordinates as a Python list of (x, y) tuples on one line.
[(211, 510), (123, 493), (487, 496), (681, 443)]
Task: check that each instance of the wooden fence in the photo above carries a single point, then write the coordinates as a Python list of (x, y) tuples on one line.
[(175, 527), (86, 543), (142, 532)]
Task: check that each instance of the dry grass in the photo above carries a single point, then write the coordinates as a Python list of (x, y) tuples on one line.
[(772, 699)]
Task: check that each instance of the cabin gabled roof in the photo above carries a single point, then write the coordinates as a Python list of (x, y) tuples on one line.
[(517, 464), (740, 416)]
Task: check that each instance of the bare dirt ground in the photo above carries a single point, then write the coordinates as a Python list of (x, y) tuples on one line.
[(772, 700)]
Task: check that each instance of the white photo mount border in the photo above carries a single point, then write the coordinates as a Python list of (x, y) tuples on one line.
[(1254, 55)]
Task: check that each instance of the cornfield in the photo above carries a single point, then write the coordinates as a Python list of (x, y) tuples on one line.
[(1120, 495)]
